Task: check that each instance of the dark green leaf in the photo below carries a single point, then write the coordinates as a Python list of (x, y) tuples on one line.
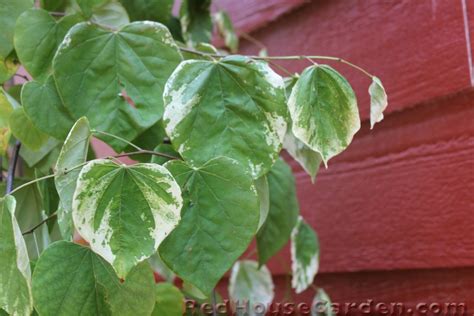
[(134, 62), (324, 111), (261, 184), (235, 107), (125, 212), (219, 219), (150, 10), (72, 280), (196, 22), (283, 214)]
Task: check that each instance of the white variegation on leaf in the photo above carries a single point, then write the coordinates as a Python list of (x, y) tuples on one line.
[(323, 109), (73, 154), (124, 212), (322, 305), (15, 273), (304, 256), (309, 159), (249, 285), (378, 101), (234, 107)]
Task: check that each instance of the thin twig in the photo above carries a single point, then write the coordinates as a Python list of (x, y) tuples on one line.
[(12, 167), (117, 137), (57, 13), (32, 229), (22, 76), (295, 57), (140, 152)]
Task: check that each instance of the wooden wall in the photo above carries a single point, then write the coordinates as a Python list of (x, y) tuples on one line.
[(395, 212)]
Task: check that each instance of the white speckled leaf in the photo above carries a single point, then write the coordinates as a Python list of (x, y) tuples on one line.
[(322, 305), (73, 153), (15, 274), (378, 101), (324, 111), (125, 212), (219, 219), (250, 283), (94, 68), (304, 256), (235, 107)]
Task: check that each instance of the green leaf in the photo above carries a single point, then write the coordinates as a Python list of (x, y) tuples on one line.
[(125, 212), (378, 101), (44, 106), (70, 279), (309, 159), (29, 212), (73, 153), (251, 283), (283, 214), (37, 37), (226, 29), (196, 22), (261, 184), (136, 61), (25, 131), (169, 300), (6, 109), (219, 219), (323, 304), (149, 10), (87, 7), (54, 5), (9, 12), (165, 149), (235, 107), (304, 256), (8, 67), (324, 111), (111, 14), (15, 274), (200, 47), (33, 157)]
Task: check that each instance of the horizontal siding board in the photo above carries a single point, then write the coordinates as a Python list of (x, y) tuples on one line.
[(400, 197), (418, 48)]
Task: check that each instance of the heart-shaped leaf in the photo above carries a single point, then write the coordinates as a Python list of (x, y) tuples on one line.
[(9, 13), (70, 279), (235, 107), (25, 131), (15, 274), (324, 111), (124, 212), (304, 256), (111, 67), (37, 37), (44, 106), (219, 219)]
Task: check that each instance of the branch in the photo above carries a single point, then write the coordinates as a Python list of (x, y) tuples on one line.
[(118, 138), (12, 167), (296, 57), (144, 152), (32, 229)]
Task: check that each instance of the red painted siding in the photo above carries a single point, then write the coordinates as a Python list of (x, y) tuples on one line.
[(394, 212)]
